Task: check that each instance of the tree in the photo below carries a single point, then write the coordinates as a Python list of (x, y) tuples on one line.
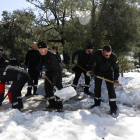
[(16, 32), (119, 23), (55, 15), (125, 65), (112, 20)]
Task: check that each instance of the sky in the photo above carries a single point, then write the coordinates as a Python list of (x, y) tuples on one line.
[(11, 5), (78, 121)]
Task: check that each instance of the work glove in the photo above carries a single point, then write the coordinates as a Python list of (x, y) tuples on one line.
[(43, 68), (25, 67), (88, 73), (55, 89), (116, 83)]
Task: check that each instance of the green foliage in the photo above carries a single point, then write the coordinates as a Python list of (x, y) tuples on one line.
[(125, 64), (16, 32), (117, 21), (58, 24), (58, 28)]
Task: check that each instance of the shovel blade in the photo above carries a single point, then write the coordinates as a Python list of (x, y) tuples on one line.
[(66, 93)]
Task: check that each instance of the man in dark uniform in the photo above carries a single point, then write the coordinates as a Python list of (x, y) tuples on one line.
[(32, 60), (50, 61), (105, 60), (19, 78), (83, 59), (13, 61)]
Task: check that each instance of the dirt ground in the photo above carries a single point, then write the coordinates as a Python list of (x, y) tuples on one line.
[(37, 103)]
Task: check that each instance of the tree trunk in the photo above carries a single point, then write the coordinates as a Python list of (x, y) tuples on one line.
[(93, 19)]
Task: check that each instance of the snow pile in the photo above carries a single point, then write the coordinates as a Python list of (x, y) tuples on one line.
[(76, 125)]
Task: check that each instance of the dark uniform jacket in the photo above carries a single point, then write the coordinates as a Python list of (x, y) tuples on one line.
[(3, 62), (50, 61), (66, 58), (83, 57), (13, 61), (103, 65), (59, 59), (32, 59)]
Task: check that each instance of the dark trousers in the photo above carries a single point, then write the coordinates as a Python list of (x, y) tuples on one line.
[(55, 102), (59, 79), (78, 71), (34, 76), (15, 90), (49, 90), (19, 78), (48, 86), (59, 85), (110, 88)]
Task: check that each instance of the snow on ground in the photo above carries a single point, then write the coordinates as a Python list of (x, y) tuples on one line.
[(77, 122)]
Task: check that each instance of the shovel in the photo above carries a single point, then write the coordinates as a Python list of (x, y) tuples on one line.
[(65, 93), (117, 84)]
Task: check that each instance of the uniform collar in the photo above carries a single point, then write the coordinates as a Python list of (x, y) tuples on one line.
[(53, 52)]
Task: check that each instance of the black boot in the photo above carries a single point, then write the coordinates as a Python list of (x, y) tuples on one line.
[(20, 103), (86, 90), (59, 105), (97, 103), (35, 89), (60, 109), (16, 106), (114, 109), (52, 106), (28, 91), (114, 113)]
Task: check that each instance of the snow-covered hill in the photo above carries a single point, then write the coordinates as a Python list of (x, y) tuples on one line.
[(78, 121)]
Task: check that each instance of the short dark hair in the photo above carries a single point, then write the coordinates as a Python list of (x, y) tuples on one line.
[(55, 48), (107, 48)]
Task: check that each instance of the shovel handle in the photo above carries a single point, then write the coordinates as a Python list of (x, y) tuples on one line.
[(3, 99), (108, 80), (46, 78)]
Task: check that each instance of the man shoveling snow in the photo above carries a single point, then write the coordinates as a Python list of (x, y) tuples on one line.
[(50, 60)]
